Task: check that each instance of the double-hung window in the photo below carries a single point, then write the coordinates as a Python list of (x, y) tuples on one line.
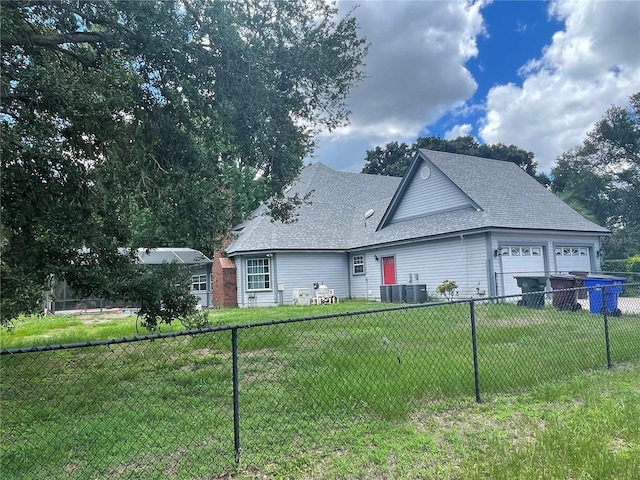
[(258, 274), (199, 282), (358, 265)]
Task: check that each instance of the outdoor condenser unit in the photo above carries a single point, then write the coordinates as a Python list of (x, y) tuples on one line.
[(301, 297)]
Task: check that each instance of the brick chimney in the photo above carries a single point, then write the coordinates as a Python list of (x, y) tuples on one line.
[(224, 282)]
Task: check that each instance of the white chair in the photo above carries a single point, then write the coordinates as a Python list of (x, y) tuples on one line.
[(325, 295)]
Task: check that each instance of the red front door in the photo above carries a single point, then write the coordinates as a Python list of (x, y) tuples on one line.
[(388, 270)]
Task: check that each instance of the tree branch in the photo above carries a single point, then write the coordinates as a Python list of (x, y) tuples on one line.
[(52, 40)]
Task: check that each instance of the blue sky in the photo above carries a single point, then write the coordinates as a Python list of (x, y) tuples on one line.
[(516, 31), (530, 73)]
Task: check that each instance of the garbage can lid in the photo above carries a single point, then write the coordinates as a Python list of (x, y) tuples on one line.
[(609, 278), (579, 273), (592, 280)]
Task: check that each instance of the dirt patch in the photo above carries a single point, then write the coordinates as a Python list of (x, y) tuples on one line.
[(104, 317)]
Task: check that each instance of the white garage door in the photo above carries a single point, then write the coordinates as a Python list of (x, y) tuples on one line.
[(569, 259), (518, 261)]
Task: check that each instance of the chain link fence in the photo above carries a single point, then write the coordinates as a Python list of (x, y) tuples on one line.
[(194, 404)]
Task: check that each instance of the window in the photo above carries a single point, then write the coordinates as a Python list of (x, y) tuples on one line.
[(358, 265), (572, 251), (258, 274), (199, 282)]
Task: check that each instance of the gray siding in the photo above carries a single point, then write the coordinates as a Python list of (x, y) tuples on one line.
[(204, 296), (461, 259), (303, 269), (367, 285), (506, 285), (295, 270), (433, 195)]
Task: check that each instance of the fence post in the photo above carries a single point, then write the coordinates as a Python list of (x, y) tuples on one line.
[(474, 342), (236, 400), (606, 329)]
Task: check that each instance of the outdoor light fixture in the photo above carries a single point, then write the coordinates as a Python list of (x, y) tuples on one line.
[(376, 257)]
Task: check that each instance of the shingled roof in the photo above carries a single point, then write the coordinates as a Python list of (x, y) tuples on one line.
[(339, 215)]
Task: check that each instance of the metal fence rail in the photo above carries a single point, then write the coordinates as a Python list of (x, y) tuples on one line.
[(194, 404)]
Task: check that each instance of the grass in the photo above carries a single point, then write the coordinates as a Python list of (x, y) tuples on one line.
[(386, 395), (36, 330)]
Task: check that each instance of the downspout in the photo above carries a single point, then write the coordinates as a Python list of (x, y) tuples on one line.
[(491, 268), (349, 274)]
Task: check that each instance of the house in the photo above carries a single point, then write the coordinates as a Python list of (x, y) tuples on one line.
[(198, 263), (475, 221), (63, 298)]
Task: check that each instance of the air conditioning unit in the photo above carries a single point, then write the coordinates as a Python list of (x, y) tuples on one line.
[(301, 297)]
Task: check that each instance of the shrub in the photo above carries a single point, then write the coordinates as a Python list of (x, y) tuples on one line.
[(447, 289)]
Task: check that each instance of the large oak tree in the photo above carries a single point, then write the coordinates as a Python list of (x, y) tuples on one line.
[(394, 158), (603, 175), (129, 124)]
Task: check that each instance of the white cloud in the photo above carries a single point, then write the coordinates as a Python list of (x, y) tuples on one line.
[(458, 131), (590, 65), (416, 72)]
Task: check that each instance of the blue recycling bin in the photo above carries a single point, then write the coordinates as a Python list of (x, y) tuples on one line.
[(612, 289)]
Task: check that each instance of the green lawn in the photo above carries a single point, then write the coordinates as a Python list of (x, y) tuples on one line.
[(372, 395)]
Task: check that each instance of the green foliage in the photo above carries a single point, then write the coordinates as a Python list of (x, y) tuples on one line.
[(155, 123), (196, 321), (631, 264), (448, 289), (603, 175), (394, 159)]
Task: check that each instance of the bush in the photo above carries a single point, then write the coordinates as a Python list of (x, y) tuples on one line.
[(447, 289), (624, 266)]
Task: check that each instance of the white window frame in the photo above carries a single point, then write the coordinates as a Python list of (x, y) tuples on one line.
[(358, 264), (199, 282), (258, 274)]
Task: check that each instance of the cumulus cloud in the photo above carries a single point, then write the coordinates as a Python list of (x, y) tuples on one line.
[(590, 65), (415, 73), (458, 131)]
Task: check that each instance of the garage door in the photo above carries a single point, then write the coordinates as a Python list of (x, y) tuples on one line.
[(569, 259), (518, 261)]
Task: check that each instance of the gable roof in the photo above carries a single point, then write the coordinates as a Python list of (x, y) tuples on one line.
[(338, 203), (500, 195)]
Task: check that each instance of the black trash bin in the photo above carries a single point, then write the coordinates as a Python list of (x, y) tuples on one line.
[(532, 291), (565, 297), (416, 293)]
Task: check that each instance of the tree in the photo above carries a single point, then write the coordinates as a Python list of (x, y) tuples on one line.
[(394, 159), (603, 174), (161, 122)]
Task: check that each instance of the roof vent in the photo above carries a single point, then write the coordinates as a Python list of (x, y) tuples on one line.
[(368, 213)]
